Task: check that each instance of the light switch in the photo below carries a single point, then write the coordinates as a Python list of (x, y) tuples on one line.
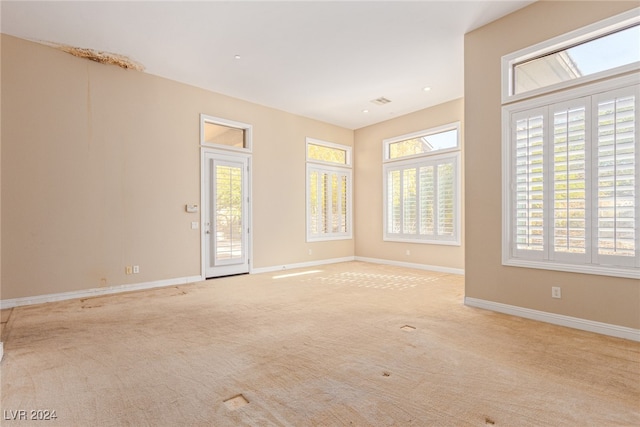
[(195, 225)]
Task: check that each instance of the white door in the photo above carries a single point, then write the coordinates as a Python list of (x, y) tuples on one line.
[(226, 225)]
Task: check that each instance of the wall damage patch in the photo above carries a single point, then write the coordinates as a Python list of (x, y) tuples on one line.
[(100, 56)]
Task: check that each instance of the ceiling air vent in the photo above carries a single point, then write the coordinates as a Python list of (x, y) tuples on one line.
[(381, 101)]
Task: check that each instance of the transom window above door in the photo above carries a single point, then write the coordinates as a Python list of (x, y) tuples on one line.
[(225, 134)]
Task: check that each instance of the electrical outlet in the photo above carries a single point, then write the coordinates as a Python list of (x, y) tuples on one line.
[(556, 292), (136, 269), (310, 251), (128, 269), (408, 252)]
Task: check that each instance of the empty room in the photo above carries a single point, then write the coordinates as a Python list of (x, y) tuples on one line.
[(320, 213)]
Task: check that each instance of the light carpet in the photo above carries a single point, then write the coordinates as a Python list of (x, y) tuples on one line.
[(350, 344)]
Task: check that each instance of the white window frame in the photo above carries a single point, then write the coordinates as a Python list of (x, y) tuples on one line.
[(248, 133), (544, 259), (565, 41), (315, 165), (415, 161)]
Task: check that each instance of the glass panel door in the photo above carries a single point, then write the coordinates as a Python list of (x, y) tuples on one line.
[(226, 226)]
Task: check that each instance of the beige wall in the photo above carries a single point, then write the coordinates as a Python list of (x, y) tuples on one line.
[(597, 298), (0, 181), (368, 189), (98, 163)]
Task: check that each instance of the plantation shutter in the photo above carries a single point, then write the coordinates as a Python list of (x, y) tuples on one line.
[(421, 199), (615, 182), (574, 184), (569, 168), (328, 201), (409, 202), (446, 199), (317, 202), (394, 202), (528, 136), (427, 196)]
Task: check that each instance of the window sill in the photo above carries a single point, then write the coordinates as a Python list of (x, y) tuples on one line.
[(328, 238), (612, 271), (422, 241)]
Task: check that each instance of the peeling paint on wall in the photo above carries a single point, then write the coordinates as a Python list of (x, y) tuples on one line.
[(99, 56)]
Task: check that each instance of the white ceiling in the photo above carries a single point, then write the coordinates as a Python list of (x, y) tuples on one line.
[(324, 60)]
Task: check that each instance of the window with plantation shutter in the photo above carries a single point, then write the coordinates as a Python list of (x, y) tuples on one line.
[(421, 187), (328, 191), (571, 180)]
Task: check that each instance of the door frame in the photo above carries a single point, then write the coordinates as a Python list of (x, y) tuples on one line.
[(245, 153)]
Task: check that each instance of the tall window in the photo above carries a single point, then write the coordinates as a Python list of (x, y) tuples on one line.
[(328, 191), (421, 186), (570, 178)]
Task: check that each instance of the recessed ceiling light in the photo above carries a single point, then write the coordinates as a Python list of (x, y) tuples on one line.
[(426, 89), (237, 57), (365, 111)]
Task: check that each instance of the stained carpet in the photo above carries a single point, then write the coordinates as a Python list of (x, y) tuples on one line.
[(350, 344)]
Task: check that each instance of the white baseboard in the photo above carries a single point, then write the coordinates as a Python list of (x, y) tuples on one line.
[(39, 299), (300, 265), (557, 319), (437, 268)]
